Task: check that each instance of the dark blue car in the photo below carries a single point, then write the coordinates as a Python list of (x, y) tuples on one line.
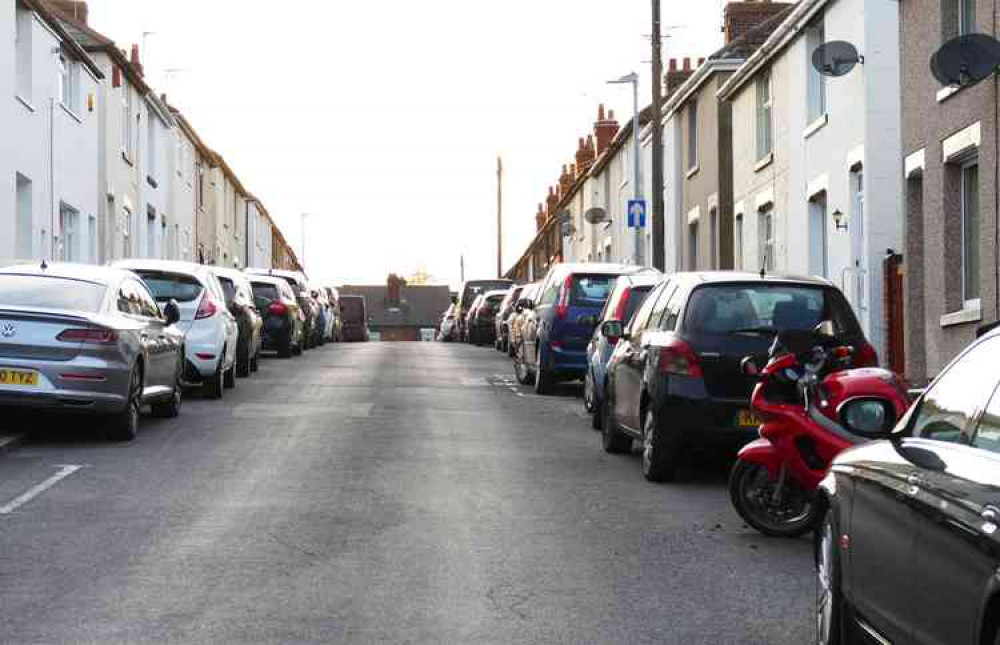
[(561, 320)]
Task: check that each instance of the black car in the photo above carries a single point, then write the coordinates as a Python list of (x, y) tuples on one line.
[(909, 549), (354, 313), (482, 318), (675, 379), (284, 323), (240, 302)]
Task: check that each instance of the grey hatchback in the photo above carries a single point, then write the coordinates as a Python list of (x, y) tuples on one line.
[(81, 338)]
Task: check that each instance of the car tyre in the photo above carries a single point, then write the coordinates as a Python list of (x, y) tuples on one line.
[(212, 387), (830, 607), (544, 380), (124, 426), (171, 408), (521, 371), (660, 453), (748, 498), (613, 440), (229, 379), (243, 367), (255, 361)]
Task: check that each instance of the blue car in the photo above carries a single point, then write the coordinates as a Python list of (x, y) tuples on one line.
[(628, 293), (561, 321)]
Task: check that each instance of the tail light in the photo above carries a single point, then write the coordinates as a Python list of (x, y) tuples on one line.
[(89, 336), (207, 308), (555, 344), (277, 308), (866, 356), (678, 358), (562, 307), (622, 307)]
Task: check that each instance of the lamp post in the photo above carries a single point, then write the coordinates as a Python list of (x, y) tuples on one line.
[(633, 79)]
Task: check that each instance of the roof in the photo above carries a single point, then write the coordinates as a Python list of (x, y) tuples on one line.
[(787, 30), (54, 21), (746, 276), (85, 272), (420, 306)]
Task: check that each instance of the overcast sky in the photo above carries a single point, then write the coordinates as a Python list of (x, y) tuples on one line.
[(383, 120)]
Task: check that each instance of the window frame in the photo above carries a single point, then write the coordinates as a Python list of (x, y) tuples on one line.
[(967, 302), (764, 115), (692, 125), (766, 237)]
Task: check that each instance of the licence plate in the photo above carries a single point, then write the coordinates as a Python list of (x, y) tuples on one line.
[(18, 378), (747, 418)]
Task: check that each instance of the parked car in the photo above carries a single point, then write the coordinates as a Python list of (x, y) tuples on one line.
[(909, 549), (521, 312), (211, 334), (338, 324), (88, 340), (555, 334), (240, 303), (284, 322), (307, 304), (354, 311), (627, 294), (324, 319), (502, 319), (674, 379), (482, 330), (468, 293), (447, 330)]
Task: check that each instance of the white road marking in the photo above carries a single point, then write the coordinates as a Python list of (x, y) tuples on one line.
[(35, 491)]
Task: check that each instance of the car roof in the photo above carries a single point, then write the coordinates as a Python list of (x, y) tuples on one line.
[(497, 292), (68, 270), (744, 276), (174, 266), (602, 268), (228, 272), (644, 279)]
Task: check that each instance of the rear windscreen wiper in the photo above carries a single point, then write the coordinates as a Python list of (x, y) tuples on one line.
[(755, 330)]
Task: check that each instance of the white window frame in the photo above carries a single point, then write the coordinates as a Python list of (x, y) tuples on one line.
[(738, 242), (692, 128), (765, 115), (765, 236), (969, 303), (816, 87), (128, 143), (22, 52), (64, 87)]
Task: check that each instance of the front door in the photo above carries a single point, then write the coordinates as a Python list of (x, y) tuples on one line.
[(857, 277)]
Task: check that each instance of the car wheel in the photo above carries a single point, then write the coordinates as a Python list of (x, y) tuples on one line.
[(229, 380), (511, 349), (597, 416), (213, 385), (243, 366), (171, 408), (660, 454), (297, 349), (521, 371), (829, 601), (544, 381), (124, 426), (613, 440), (255, 362), (588, 392)]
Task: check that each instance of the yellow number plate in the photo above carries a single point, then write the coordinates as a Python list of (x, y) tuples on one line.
[(18, 378), (747, 418)]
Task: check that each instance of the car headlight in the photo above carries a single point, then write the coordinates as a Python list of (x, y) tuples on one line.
[(868, 416)]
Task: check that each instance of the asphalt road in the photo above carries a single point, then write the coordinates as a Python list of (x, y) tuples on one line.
[(404, 493)]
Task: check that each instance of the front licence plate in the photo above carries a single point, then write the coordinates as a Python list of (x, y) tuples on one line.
[(18, 378), (747, 419)]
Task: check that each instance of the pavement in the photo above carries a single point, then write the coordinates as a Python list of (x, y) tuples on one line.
[(379, 492)]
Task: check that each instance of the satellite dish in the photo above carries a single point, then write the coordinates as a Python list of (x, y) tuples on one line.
[(836, 58), (596, 215), (966, 60)]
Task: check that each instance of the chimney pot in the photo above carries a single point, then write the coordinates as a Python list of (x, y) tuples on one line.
[(600, 112), (673, 64), (687, 64), (701, 61)]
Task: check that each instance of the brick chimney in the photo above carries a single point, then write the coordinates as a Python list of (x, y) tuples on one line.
[(540, 218), (676, 75), (551, 202), (75, 10), (585, 155), (565, 181), (605, 129), (741, 17), (134, 59)]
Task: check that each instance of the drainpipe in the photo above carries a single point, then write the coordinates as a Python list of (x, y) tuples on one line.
[(52, 180)]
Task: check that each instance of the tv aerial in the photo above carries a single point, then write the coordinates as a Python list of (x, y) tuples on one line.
[(836, 58), (966, 60)]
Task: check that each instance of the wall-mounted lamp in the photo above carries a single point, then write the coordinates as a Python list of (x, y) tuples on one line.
[(840, 220)]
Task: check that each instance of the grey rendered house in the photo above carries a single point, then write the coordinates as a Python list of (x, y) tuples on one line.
[(950, 157)]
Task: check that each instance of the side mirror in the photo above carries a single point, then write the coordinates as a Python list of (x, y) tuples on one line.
[(172, 312), (749, 367), (612, 330)]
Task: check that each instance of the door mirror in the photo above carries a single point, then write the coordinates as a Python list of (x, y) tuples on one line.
[(172, 312), (612, 330), (749, 367), (920, 457)]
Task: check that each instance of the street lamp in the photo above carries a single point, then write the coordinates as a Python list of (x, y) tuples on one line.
[(633, 78)]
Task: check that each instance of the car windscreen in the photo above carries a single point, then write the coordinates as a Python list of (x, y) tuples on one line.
[(171, 286), (473, 289), (265, 290), (591, 290), (635, 298), (352, 309), (228, 288), (44, 292), (725, 309)]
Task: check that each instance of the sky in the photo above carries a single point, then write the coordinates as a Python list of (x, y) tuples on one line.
[(383, 120)]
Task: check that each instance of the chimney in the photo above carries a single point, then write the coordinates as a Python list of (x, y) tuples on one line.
[(540, 218), (741, 17), (75, 10), (605, 129), (565, 181), (675, 76), (134, 59), (551, 202), (585, 155)]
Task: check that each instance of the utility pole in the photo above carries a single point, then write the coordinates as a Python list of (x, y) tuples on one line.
[(461, 266), (657, 116), (499, 217)]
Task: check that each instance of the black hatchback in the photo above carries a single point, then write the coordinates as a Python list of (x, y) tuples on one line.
[(675, 380)]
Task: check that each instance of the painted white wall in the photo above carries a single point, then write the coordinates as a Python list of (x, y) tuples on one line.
[(181, 204), (50, 143)]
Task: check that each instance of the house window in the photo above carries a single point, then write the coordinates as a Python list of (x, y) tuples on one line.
[(958, 18), (25, 219), (818, 256), (65, 88), (693, 246), (765, 231), (693, 135), (128, 144), (22, 51), (815, 37), (69, 242), (151, 147), (150, 231), (738, 242), (765, 143), (970, 234)]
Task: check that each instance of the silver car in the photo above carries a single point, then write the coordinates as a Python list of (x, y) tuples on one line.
[(89, 339)]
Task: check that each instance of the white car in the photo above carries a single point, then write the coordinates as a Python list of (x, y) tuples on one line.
[(211, 334)]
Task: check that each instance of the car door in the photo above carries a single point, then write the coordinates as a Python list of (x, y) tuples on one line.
[(628, 367), (541, 315), (232, 331), (956, 496), (158, 343)]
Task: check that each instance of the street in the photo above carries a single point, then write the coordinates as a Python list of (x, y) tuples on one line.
[(400, 492)]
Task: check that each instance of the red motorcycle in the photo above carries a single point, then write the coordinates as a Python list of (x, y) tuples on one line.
[(812, 406)]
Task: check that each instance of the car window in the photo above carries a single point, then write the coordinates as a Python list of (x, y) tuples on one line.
[(950, 406), (228, 289), (611, 303), (661, 305), (172, 286), (147, 305), (265, 290), (550, 291), (642, 316), (635, 298), (987, 435), (590, 290), (50, 293), (128, 299), (725, 308), (668, 321)]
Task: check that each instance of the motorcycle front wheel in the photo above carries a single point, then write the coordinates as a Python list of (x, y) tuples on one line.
[(790, 512)]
